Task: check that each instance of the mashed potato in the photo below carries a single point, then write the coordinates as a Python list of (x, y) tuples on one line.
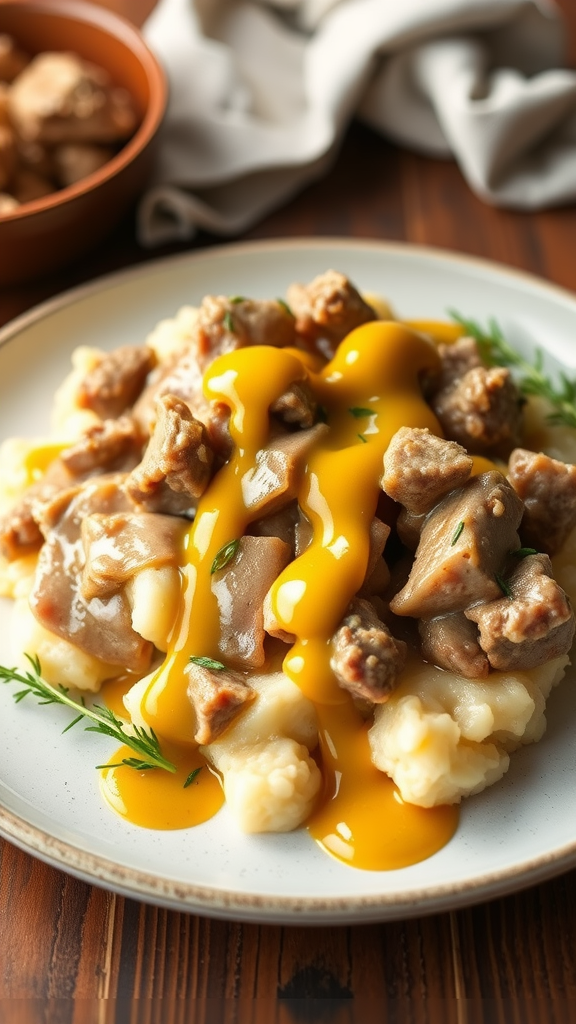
[(441, 737)]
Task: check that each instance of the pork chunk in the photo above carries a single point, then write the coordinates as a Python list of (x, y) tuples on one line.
[(451, 642), (114, 446), (548, 489), (531, 626), (177, 463), (420, 468), (464, 541), (329, 308), (482, 410), (457, 359), (366, 659), (114, 384), (100, 626), (225, 324), (297, 405), (217, 696), (275, 479), (240, 588)]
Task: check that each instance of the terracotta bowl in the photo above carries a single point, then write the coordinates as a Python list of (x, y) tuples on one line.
[(43, 235)]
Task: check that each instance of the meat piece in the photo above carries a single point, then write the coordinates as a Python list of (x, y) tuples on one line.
[(59, 97), (120, 544), (275, 479), (116, 381), (420, 468), (457, 359), (297, 405), (548, 489), (409, 528), (463, 544), (225, 324), (328, 308), (530, 627), (366, 659), (76, 160), (100, 626), (280, 524), (482, 410), (377, 575), (179, 375), (20, 532), (13, 60), (217, 695), (114, 446), (451, 642), (240, 588), (177, 463)]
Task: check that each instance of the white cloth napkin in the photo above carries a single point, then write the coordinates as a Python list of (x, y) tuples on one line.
[(261, 93)]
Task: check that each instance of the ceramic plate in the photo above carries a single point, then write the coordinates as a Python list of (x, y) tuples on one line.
[(519, 832)]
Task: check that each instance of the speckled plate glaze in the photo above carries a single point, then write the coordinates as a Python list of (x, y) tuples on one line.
[(521, 831)]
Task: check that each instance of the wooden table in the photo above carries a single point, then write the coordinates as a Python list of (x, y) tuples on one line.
[(512, 960)]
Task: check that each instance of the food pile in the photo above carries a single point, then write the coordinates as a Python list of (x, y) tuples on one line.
[(61, 119), (273, 419)]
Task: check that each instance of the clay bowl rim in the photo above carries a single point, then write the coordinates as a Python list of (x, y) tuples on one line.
[(127, 33)]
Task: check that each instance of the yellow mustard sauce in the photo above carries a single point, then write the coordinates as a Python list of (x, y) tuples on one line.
[(369, 390)]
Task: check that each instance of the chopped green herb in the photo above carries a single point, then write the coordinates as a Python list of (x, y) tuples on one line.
[(142, 741), (224, 556), (228, 322), (285, 307), (191, 777), (523, 552), (321, 414), (235, 299), (362, 438), (208, 663), (457, 533), (496, 351), (503, 585), (358, 412)]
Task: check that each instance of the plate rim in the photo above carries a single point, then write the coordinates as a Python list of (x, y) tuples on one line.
[(99, 870)]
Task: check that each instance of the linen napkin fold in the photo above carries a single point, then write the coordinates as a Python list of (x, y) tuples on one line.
[(262, 92)]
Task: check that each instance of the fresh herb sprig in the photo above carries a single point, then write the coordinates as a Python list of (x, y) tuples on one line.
[(496, 351), (142, 741)]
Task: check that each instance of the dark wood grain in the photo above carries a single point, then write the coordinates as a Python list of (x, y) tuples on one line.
[(72, 953)]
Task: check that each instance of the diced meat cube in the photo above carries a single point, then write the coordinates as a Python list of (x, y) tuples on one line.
[(548, 489), (463, 544), (275, 480), (531, 626), (297, 405), (217, 696), (114, 446), (482, 410), (328, 308), (59, 97), (366, 659), (224, 325), (457, 359), (451, 642), (20, 526), (240, 588), (177, 463), (420, 468), (116, 381)]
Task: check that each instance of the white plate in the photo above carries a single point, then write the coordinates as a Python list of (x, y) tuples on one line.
[(519, 832)]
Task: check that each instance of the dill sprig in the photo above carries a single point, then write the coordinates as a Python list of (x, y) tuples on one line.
[(142, 741), (496, 351)]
